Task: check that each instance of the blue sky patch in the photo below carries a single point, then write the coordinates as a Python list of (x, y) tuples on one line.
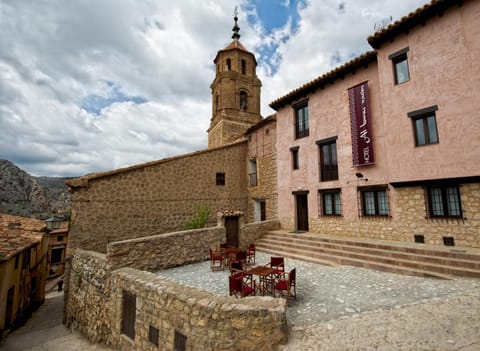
[(274, 14), (95, 103)]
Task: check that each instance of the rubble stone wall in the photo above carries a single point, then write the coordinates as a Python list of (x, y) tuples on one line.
[(208, 321)]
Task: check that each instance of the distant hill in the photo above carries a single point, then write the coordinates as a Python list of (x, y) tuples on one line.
[(24, 195)]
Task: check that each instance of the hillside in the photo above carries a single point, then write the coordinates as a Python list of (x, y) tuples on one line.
[(24, 195)]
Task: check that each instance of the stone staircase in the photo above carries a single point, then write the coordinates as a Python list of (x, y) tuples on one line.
[(396, 257)]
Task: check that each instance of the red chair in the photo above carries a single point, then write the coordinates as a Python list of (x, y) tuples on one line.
[(251, 254), (241, 284), (286, 285), (278, 264), (216, 260)]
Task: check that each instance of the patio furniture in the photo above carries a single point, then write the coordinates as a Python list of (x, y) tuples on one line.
[(278, 264), (234, 265), (264, 278), (242, 284), (251, 254), (216, 260), (286, 285)]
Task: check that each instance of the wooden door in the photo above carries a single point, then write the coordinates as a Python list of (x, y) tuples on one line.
[(302, 212), (231, 226)]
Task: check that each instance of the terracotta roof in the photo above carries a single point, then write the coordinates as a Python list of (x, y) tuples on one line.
[(83, 181), (419, 16), (338, 73), (18, 233), (263, 122), (235, 45)]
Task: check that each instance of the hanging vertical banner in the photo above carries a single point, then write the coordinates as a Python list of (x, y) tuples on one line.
[(362, 141)]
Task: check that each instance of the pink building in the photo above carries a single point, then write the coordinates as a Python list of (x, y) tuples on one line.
[(387, 145)]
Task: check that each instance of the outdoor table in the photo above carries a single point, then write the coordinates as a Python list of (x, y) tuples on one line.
[(263, 274)]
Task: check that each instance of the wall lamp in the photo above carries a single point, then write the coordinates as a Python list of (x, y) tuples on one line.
[(360, 176)]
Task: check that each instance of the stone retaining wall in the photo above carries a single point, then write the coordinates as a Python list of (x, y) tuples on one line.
[(251, 232), (209, 322), (165, 250)]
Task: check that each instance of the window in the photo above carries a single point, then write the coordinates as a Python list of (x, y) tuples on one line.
[(252, 172), (179, 341), (243, 100), (217, 98), (330, 202), (374, 202), (444, 201), (153, 335), (220, 179), (400, 66), (260, 210), (129, 303), (229, 64), (56, 256), (301, 120), (60, 238), (424, 125), (294, 151), (244, 67), (328, 159)]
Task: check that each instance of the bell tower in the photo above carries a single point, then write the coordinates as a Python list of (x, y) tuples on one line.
[(235, 93)]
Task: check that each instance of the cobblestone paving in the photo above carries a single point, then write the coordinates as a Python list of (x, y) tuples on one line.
[(325, 293)]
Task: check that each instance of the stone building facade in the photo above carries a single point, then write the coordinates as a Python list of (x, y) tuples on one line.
[(411, 106)]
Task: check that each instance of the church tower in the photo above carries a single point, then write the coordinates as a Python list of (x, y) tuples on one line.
[(235, 93)]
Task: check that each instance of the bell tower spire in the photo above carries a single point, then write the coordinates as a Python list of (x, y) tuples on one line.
[(235, 92), (236, 28)]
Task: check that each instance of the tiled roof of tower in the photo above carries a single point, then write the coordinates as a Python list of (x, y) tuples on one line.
[(235, 44), (338, 73), (415, 18)]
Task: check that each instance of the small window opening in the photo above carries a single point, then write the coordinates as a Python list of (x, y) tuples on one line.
[(229, 65), (448, 241), (153, 335), (244, 67), (220, 178), (419, 239), (179, 342)]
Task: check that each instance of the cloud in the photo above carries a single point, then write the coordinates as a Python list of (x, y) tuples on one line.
[(87, 87)]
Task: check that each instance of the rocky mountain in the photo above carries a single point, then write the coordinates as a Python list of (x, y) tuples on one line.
[(24, 195)]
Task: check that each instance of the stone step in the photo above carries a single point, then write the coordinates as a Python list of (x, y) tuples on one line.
[(384, 252), (392, 257)]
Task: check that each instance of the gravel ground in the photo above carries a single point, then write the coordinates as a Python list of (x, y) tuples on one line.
[(350, 308)]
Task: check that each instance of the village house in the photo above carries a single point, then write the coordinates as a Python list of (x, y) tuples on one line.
[(23, 263), (384, 147)]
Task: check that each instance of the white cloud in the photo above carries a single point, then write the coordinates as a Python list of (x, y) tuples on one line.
[(54, 54)]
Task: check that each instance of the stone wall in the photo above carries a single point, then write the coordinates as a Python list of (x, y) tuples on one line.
[(208, 321), (261, 148), (165, 250), (253, 231), (408, 218), (156, 197)]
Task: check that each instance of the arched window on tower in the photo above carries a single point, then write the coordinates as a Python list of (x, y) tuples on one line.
[(243, 100), (244, 67), (229, 64), (216, 102)]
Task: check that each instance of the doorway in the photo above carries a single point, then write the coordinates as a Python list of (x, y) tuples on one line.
[(231, 227), (301, 200)]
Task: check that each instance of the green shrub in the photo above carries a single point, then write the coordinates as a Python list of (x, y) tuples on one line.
[(200, 218)]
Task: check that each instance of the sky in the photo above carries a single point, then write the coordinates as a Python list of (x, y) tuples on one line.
[(94, 85)]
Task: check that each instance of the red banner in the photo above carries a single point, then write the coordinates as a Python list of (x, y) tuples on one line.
[(362, 141)]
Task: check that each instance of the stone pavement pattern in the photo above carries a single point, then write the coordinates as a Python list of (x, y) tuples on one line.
[(351, 308), (44, 331)]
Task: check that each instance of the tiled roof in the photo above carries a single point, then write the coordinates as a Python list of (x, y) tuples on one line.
[(18, 233), (328, 78), (263, 122), (418, 17), (235, 44)]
